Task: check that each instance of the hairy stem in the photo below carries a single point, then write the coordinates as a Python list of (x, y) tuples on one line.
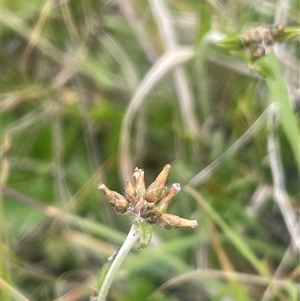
[(131, 238)]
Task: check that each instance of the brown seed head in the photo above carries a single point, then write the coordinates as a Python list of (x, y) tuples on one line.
[(257, 52), (171, 221), (166, 200), (277, 31), (117, 201), (130, 193), (155, 190), (139, 182)]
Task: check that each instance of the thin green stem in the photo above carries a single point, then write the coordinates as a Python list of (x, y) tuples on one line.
[(130, 240)]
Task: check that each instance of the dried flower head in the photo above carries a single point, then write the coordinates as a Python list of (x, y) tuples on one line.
[(258, 40), (148, 205)]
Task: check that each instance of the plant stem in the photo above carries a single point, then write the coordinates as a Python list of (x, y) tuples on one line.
[(131, 238)]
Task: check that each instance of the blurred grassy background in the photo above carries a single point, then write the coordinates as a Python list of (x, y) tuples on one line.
[(91, 89)]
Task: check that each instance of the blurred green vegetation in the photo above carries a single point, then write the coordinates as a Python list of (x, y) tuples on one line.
[(91, 89)]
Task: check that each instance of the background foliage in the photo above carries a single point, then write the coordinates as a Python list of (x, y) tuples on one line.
[(91, 89)]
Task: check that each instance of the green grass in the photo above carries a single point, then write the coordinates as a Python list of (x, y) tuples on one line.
[(92, 89)]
